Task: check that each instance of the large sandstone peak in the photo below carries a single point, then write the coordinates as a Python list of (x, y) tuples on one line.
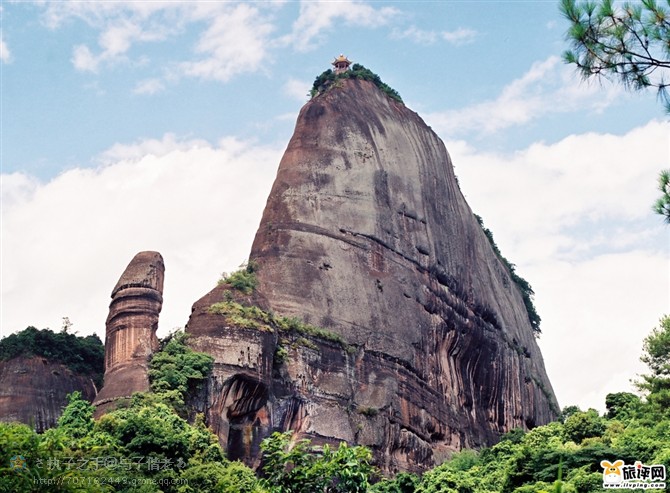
[(131, 327), (367, 235)]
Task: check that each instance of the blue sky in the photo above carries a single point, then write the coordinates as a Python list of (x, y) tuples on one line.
[(129, 126)]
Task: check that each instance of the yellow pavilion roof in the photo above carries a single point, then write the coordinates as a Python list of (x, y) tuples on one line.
[(341, 59)]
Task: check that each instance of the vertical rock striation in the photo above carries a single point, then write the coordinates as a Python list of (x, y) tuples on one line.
[(367, 235), (131, 328), (33, 390)]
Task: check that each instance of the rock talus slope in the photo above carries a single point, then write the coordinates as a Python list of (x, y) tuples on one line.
[(131, 326), (367, 235)]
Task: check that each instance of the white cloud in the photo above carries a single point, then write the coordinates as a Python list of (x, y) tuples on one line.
[(118, 34), (84, 60), (596, 313), (5, 54), (149, 86), (235, 38), (16, 189), (594, 177), (575, 216), (317, 18), (235, 42), (102, 15), (458, 37), (548, 87), (297, 89), (231, 38), (66, 242), (416, 35), (149, 147)]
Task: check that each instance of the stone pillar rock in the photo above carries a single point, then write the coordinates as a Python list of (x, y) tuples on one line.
[(131, 327)]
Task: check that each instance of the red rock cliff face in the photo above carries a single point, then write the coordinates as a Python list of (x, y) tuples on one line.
[(34, 390), (131, 326), (367, 235)]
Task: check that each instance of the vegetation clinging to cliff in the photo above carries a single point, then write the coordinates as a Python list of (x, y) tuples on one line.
[(524, 286), (357, 71), (244, 279), (82, 355), (252, 317), (176, 369)]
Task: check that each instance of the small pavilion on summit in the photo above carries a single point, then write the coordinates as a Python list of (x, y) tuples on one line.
[(341, 64)]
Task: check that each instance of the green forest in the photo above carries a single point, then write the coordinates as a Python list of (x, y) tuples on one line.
[(149, 445)]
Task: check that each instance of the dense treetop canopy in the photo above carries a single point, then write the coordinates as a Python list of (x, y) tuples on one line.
[(83, 355)]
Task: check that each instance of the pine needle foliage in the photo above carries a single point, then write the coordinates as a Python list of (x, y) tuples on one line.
[(662, 205), (656, 356), (628, 43)]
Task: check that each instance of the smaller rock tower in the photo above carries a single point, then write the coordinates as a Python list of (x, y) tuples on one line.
[(341, 64), (131, 326)]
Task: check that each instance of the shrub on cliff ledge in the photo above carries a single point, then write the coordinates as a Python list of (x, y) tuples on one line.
[(252, 317), (247, 317), (244, 279)]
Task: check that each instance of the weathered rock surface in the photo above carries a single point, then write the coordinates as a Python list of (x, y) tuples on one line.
[(34, 390), (131, 326), (367, 235)]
